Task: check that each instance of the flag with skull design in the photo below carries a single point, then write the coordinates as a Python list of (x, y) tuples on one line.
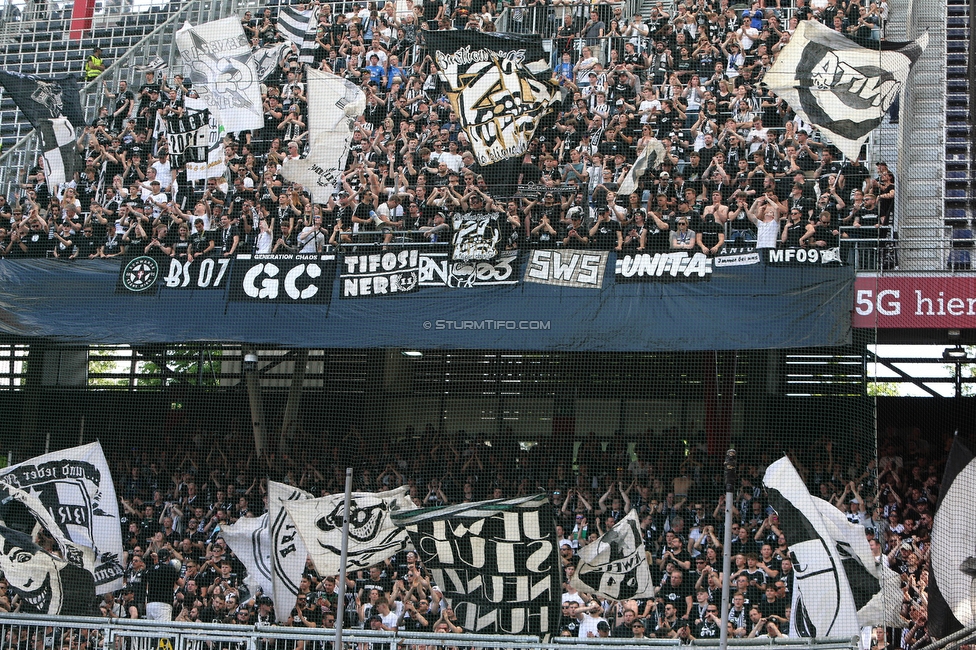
[(373, 537), (842, 88)]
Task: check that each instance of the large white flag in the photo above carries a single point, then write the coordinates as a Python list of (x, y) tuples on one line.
[(288, 552), (839, 86), (71, 494), (218, 56), (615, 565), (823, 602), (373, 537), (333, 105), (875, 586), (250, 540)]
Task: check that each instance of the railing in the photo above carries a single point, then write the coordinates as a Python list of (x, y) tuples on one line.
[(73, 633)]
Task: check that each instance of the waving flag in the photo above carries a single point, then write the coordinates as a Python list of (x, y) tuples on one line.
[(373, 536), (53, 107), (250, 539), (72, 495), (498, 84), (823, 603), (496, 562), (837, 85), (288, 552), (650, 158), (614, 565), (952, 588), (299, 28), (218, 56), (333, 105)]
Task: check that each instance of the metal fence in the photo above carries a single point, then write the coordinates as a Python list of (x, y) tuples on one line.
[(55, 633)]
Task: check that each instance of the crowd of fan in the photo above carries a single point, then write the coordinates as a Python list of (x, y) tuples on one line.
[(173, 507), (740, 166)]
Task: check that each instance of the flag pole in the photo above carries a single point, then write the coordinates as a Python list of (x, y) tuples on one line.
[(343, 556), (730, 481)]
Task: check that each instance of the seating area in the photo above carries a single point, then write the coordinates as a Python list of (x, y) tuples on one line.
[(39, 47)]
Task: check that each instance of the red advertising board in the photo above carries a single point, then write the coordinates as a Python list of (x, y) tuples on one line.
[(919, 301)]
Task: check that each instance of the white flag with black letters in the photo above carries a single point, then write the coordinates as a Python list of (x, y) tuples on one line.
[(496, 562), (250, 539), (288, 552), (373, 537), (614, 565), (218, 56), (842, 88)]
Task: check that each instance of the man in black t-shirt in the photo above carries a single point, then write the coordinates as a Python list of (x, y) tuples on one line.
[(711, 236), (160, 585)]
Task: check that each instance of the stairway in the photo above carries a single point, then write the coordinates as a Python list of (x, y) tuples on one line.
[(959, 153)]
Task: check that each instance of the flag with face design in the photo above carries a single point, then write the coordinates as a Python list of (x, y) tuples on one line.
[(842, 88), (373, 537), (45, 583)]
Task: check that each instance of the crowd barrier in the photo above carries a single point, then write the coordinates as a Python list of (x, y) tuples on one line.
[(74, 633)]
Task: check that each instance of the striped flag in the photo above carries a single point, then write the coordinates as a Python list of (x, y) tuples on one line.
[(299, 28)]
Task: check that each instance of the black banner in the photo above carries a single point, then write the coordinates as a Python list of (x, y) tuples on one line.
[(289, 279), (496, 562), (802, 256), (188, 136), (380, 274)]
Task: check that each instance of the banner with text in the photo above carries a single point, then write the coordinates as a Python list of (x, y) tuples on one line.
[(567, 268), (496, 562), (290, 300), (500, 86), (913, 302)]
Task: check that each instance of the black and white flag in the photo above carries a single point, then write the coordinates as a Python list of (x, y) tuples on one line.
[(373, 537), (266, 59), (495, 562), (218, 55), (334, 104), (842, 88), (500, 86), (250, 539), (952, 584), (614, 565), (288, 552), (823, 601), (71, 494), (875, 586), (45, 583), (188, 136), (650, 158), (299, 28), (53, 107), (475, 236)]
